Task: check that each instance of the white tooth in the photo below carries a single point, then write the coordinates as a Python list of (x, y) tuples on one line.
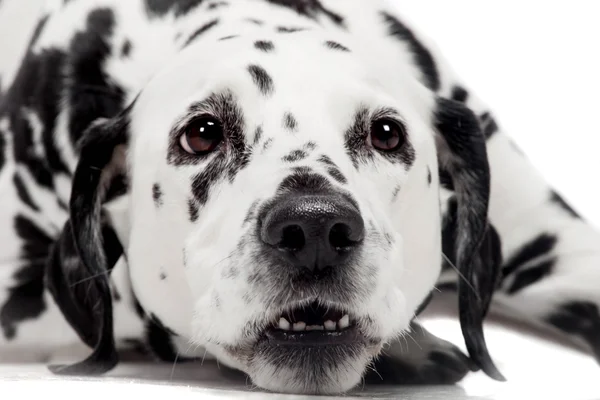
[(330, 325), (344, 322), (315, 328), (299, 326), (284, 325)]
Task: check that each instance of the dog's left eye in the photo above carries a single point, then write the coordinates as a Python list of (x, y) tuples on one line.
[(202, 136), (386, 135)]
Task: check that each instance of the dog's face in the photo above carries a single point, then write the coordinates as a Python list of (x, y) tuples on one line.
[(283, 213)]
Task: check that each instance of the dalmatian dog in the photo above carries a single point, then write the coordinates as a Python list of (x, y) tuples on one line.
[(281, 185)]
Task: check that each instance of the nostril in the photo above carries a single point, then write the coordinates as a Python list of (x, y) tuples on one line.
[(340, 236), (292, 238)]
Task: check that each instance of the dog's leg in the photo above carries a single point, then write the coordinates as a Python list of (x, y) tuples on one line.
[(419, 357)]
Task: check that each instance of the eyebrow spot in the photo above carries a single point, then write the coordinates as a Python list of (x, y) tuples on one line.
[(264, 45), (289, 122), (157, 195), (336, 46), (262, 79)]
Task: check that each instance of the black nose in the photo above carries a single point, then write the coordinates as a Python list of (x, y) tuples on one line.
[(313, 231)]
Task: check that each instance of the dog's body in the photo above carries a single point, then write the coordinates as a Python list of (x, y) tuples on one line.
[(92, 60)]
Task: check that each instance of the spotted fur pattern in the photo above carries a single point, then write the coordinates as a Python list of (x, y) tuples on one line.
[(112, 233)]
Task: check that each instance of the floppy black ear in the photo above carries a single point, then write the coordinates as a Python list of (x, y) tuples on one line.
[(82, 258), (462, 153)]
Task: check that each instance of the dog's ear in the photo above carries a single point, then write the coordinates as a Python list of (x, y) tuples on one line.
[(82, 258), (462, 154)]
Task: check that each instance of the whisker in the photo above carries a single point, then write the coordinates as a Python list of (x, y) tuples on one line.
[(460, 274), (174, 364)]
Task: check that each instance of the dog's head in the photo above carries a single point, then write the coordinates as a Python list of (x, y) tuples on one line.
[(283, 214)]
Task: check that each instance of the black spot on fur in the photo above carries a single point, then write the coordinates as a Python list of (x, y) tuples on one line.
[(193, 210), (264, 45), (160, 340), (422, 57), (311, 9), (459, 94), (396, 192), (157, 195), (540, 246), (26, 298), (126, 49), (284, 29), (214, 6), (198, 32), (531, 275), (258, 135), (581, 319), (356, 140), (228, 37), (159, 8), (262, 79), (22, 192), (92, 94), (336, 46), (337, 175), (488, 125), (429, 177), (310, 146), (162, 276), (268, 144), (561, 202), (303, 179), (290, 123), (295, 155), (255, 21)]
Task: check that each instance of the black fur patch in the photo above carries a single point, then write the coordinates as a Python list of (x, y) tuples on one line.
[(488, 125), (160, 340), (264, 45), (581, 319), (268, 144), (356, 141), (459, 94), (310, 8), (257, 135), (396, 192), (193, 210), (126, 49), (336, 46), (561, 202), (26, 298), (337, 175), (284, 29), (531, 275), (22, 192), (159, 8), (255, 21), (295, 155), (214, 6), (429, 177), (157, 195), (540, 246), (262, 79), (290, 123), (198, 32), (422, 57), (92, 95)]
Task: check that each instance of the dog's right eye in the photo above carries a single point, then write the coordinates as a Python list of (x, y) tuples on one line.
[(202, 136)]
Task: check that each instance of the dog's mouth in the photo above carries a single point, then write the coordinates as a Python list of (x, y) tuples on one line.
[(314, 325)]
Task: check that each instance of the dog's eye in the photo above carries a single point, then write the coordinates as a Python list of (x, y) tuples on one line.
[(202, 136), (387, 135)]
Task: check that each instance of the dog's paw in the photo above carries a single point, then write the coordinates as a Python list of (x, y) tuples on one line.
[(428, 360)]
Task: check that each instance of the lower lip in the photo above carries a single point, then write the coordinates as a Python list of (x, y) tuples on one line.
[(278, 337)]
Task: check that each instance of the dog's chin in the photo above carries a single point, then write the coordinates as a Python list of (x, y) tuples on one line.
[(304, 351), (311, 368)]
